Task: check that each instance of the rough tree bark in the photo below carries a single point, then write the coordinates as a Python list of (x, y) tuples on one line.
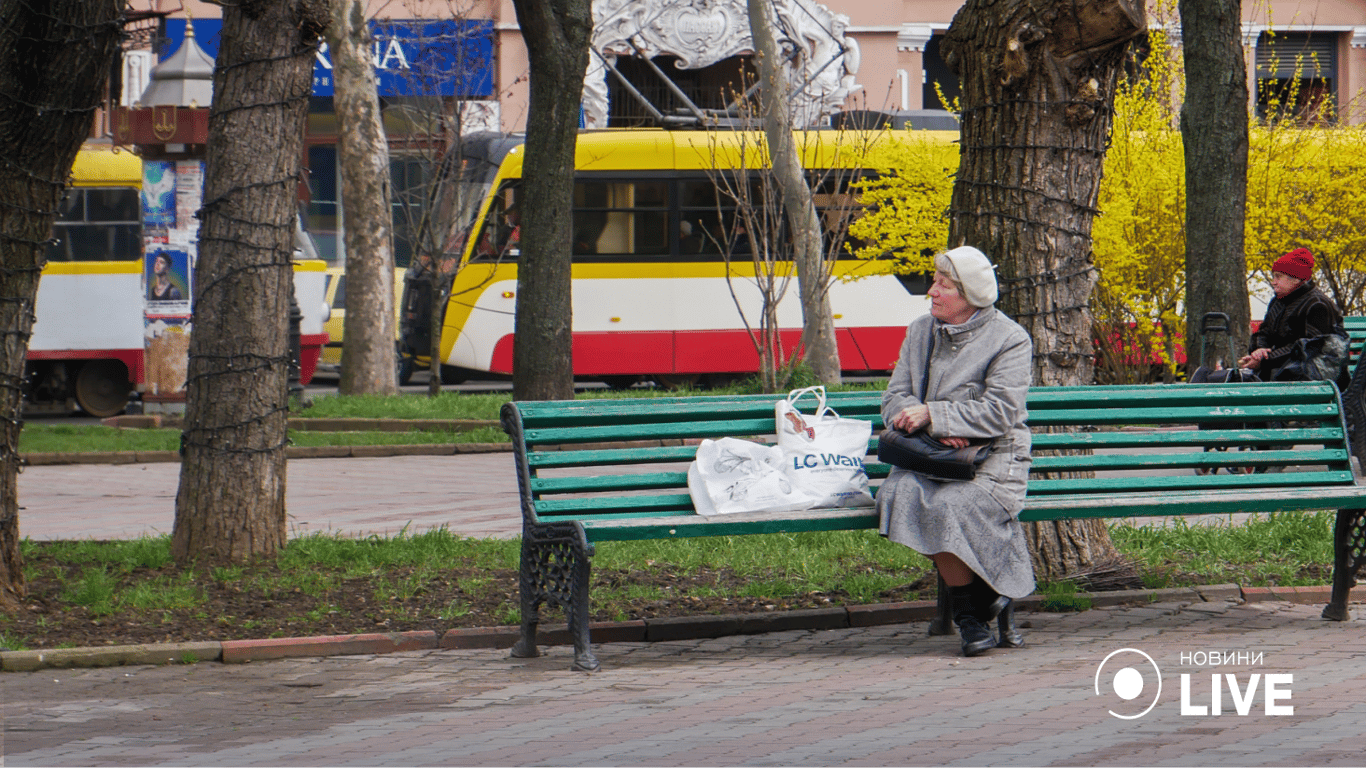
[(1214, 136), (367, 364), (819, 348), (231, 502), (1038, 80), (54, 64), (556, 34)]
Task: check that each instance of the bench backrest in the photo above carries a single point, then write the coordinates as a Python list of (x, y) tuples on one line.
[(598, 458), (1356, 337)]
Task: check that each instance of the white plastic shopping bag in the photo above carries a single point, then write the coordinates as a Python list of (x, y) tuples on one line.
[(731, 475), (823, 452)]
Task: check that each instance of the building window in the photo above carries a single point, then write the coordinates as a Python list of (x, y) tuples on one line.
[(937, 72), (1297, 77)]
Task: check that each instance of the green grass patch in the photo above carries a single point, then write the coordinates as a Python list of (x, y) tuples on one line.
[(46, 438), (1286, 549), (447, 405), (96, 439), (1063, 596), (329, 584)]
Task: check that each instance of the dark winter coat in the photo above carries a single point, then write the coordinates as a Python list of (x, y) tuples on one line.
[(1304, 314)]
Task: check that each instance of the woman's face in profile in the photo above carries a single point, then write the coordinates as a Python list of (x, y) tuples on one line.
[(946, 303), (161, 264)]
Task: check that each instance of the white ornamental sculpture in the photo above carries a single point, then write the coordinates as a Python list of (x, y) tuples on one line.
[(702, 32)]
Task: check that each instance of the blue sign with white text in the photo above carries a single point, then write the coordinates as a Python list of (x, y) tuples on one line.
[(412, 57)]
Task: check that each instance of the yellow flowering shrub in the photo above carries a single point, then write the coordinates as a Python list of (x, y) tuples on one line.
[(906, 199)]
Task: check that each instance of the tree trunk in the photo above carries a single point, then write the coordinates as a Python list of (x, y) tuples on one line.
[(1214, 135), (54, 66), (813, 274), (1038, 80), (231, 503), (556, 34), (367, 364)]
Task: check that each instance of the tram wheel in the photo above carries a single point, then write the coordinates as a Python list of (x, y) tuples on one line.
[(102, 388), (450, 375), (403, 367), (676, 380), (619, 382)]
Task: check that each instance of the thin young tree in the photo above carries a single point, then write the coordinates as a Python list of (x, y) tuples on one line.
[(367, 364), (54, 64), (1214, 132), (556, 33), (231, 501), (748, 206), (434, 202), (1038, 81), (820, 350)]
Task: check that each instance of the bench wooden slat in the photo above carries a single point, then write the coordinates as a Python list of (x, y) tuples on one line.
[(1200, 437), (611, 505), (1180, 394), (1123, 505), (607, 517), (651, 431), (605, 456), (648, 410), (1187, 460), (1212, 414), (686, 526), (1132, 484), (600, 483)]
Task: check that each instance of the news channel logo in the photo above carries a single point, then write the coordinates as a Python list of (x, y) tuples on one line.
[(1131, 679)]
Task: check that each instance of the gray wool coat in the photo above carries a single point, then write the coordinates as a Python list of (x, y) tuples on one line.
[(979, 378)]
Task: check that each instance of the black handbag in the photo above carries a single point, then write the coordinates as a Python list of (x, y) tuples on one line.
[(921, 452), (1319, 358)]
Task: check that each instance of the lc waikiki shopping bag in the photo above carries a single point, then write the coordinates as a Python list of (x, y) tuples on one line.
[(731, 475), (823, 452)]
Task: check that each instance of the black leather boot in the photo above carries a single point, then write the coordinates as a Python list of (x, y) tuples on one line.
[(1010, 637), (977, 638), (987, 602)]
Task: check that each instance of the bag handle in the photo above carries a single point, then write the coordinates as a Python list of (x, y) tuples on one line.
[(818, 391), (925, 380)]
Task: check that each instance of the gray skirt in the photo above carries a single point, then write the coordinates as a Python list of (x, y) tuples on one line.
[(962, 518)]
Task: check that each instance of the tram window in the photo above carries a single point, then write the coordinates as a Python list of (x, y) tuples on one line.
[(98, 224), (621, 218), (500, 234), (838, 204), (701, 210), (111, 205), (73, 207)]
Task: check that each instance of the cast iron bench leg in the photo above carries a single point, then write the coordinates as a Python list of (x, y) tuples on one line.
[(532, 594), (942, 623), (1349, 553), (556, 566)]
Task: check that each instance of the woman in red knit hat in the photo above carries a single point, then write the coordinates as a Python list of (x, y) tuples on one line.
[(1299, 311)]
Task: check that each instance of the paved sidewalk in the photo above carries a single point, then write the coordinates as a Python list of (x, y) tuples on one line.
[(472, 494), (873, 696)]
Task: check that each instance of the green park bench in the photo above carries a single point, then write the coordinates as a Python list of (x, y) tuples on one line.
[(594, 471)]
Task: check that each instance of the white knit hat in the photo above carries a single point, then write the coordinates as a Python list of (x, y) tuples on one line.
[(970, 268)]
